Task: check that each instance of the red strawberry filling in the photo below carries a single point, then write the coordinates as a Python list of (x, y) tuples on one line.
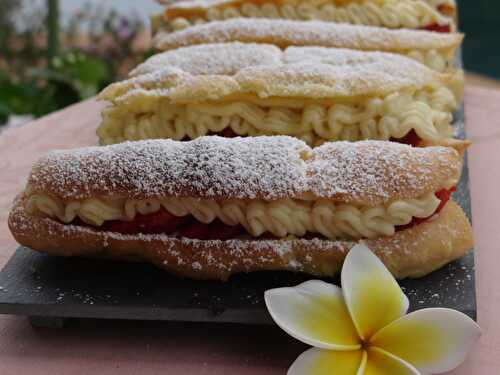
[(438, 28), (228, 133), (158, 222), (162, 222), (166, 223), (411, 139), (443, 195), (446, 10), (216, 230)]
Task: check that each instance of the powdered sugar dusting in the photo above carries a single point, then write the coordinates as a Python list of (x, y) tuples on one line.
[(210, 167), (215, 59), (215, 71), (298, 33), (377, 171), (369, 172)]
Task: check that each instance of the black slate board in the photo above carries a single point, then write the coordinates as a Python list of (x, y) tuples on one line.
[(42, 287), (35, 284)]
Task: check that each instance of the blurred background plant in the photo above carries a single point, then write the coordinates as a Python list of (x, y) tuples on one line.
[(46, 65), (92, 45)]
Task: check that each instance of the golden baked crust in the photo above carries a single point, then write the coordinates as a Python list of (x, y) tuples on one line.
[(235, 71), (269, 168), (413, 252), (285, 33), (460, 145)]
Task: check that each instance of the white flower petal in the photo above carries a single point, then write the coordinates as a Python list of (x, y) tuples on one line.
[(315, 313), (382, 363), (432, 340), (327, 362), (372, 295)]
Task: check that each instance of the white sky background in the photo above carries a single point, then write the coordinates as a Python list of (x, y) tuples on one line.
[(144, 8)]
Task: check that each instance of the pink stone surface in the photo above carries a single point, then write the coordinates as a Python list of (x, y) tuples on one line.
[(102, 348)]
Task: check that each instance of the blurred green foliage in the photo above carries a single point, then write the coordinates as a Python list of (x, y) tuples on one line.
[(85, 74), (96, 49), (74, 77)]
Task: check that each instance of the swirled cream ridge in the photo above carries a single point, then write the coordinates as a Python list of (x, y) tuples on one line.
[(281, 218), (433, 58), (427, 112), (386, 13)]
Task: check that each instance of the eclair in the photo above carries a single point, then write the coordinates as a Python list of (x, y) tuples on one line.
[(436, 50), (315, 94), (433, 15), (216, 206)]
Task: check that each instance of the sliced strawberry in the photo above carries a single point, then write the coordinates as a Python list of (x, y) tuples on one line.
[(443, 195), (219, 231), (409, 139), (438, 28), (196, 230), (228, 133), (155, 223), (446, 9), (415, 221)]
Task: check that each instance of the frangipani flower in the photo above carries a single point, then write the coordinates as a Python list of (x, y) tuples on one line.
[(363, 328)]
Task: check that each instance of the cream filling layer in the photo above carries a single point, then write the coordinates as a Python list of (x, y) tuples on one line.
[(387, 13), (439, 60), (427, 112), (280, 218)]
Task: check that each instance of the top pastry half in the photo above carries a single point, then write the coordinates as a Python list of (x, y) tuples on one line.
[(434, 15), (436, 50), (274, 185), (312, 93)]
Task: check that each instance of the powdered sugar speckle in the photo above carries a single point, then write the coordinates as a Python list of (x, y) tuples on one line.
[(211, 167), (284, 33), (369, 172), (215, 71), (216, 59), (376, 172)]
